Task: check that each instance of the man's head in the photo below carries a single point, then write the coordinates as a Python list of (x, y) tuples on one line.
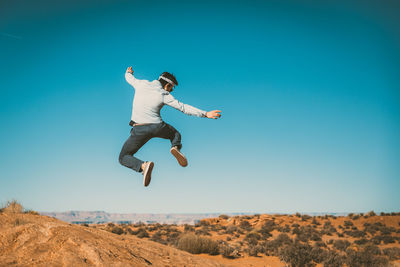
[(168, 81)]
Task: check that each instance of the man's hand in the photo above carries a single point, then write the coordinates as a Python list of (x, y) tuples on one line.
[(214, 114), (129, 70)]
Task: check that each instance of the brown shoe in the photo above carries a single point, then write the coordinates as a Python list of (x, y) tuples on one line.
[(179, 156), (148, 168)]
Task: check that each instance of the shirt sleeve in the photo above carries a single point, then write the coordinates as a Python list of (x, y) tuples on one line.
[(132, 80), (187, 109)]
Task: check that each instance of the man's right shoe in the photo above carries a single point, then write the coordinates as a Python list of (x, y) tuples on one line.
[(148, 168), (179, 156)]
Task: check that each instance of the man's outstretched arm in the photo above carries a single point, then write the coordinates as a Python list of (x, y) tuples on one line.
[(190, 110)]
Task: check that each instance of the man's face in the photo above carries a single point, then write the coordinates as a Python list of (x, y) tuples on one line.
[(169, 87)]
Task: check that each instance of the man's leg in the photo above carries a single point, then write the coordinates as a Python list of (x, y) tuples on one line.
[(130, 147), (169, 132)]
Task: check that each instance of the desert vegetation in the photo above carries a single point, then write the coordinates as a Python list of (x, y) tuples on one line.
[(14, 207), (355, 240), (297, 240)]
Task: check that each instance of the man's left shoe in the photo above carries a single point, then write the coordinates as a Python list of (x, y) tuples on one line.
[(179, 156), (148, 168)]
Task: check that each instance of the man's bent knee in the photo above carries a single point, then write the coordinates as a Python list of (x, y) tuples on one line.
[(120, 158)]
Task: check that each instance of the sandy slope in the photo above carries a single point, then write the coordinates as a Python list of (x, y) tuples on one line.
[(27, 239)]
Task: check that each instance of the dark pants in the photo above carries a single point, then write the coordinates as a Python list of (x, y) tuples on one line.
[(140, 134)]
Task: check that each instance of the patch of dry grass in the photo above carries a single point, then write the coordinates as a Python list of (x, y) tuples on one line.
[(197, 244), (12, 207)]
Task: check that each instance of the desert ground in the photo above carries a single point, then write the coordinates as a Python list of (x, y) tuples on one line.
[(29, 239)]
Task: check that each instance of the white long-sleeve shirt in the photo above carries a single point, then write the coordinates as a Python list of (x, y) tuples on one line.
[(150, 97)]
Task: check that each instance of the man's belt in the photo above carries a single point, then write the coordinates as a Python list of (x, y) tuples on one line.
[(132, 123)]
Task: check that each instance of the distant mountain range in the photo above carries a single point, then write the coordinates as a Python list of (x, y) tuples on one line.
[(99, 217)]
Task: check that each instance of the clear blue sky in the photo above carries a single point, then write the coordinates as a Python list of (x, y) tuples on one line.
[(310, 94)]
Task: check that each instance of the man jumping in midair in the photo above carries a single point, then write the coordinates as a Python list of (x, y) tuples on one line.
[(146, 121)]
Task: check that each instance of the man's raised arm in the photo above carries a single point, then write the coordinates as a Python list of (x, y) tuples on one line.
[(130, 78)]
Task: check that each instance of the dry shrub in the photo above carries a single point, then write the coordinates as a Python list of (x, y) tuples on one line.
[(305, 217), (117, 230), (141, 233), (224, 217), (269, 225), (229, 252), (188, 228), (393, 253), (271, 247), (12, 207), (333, 259), (318, 254), (244, 224), (203, 231), (252, 235), (197, 244), (355, 233), (369, 256), (231, 229), (202, 223), (371, 213), (32, 212), (296, 254), (341, 244), (361, 241), (348, 223), (253, 250)]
